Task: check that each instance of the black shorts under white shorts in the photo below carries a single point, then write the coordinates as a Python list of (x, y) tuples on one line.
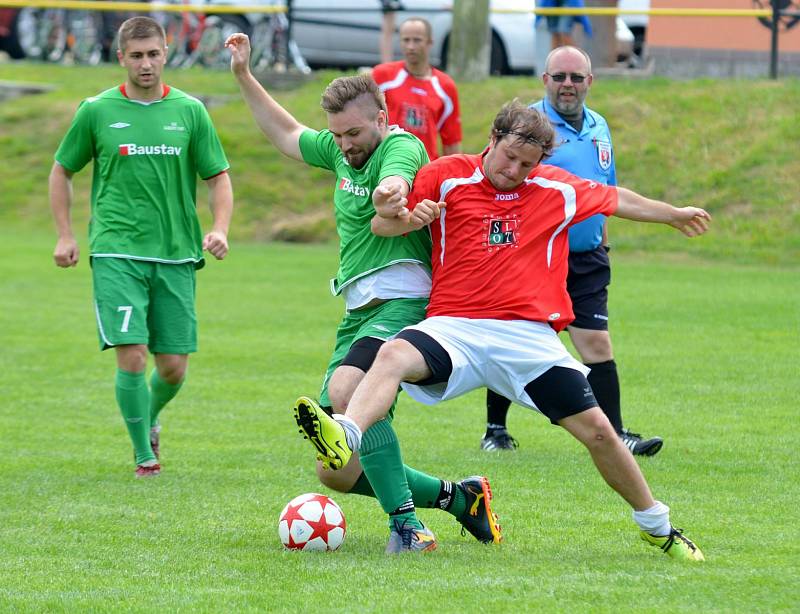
[(558, 393), (587, 284)]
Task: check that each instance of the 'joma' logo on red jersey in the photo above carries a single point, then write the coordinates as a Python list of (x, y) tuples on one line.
[(132, 149), (507, 196)]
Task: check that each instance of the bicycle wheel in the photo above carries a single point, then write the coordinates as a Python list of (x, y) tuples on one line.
[(210, 50), (52, 35), (85, 32)]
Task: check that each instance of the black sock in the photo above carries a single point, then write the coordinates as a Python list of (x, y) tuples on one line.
[(605, 385), (496, 411), (446, 495), (405, 508)]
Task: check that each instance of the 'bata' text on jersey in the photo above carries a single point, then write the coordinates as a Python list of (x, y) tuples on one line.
[(356, 190)]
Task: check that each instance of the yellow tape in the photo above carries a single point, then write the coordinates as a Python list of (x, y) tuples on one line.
[(655, 12), (143, 7), (139, 7)]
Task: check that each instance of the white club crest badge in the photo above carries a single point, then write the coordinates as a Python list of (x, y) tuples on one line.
[(603, 154)]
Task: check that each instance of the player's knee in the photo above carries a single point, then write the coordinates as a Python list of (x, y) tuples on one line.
[(132, 358), (598, 347), (339, 397), (392, 359), (173, 372), (597, 431)]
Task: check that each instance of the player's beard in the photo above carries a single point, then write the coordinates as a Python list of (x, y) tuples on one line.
[(358, 156)]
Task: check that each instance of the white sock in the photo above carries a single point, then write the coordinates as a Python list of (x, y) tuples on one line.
[(654, 520), (352, 433)]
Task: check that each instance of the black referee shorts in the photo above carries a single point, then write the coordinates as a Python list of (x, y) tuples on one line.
[(587, 285)]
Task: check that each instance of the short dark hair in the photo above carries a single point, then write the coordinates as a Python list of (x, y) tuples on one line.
[(424, 22), (525, 124), (344, 90), (139, 28)]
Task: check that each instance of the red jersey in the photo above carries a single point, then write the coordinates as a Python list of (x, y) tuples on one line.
[(503, 255), (426, 108)]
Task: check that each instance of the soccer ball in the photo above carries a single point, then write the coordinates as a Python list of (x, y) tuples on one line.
[(312, 522)]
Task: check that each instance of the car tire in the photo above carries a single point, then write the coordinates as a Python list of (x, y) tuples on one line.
[(498, 61)]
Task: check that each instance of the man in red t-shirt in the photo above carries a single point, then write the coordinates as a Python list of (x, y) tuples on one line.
[(499, 298), (421, 99)]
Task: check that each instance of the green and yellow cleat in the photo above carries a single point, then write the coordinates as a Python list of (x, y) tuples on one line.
[(404, 538), (478, 518), (323, 432), (676, 544)]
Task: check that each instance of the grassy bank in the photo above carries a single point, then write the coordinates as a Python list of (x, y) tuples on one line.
[(729, 146)]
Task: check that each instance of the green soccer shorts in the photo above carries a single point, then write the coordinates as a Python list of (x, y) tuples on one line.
[(142, 302), (382, 322)]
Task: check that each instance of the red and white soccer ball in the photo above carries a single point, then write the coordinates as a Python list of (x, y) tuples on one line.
[(312, 522)]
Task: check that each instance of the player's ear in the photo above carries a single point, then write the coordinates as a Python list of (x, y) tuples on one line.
[(382, 119)]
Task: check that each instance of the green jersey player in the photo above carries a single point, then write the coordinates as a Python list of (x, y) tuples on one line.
[(385, 283), (148, 143)]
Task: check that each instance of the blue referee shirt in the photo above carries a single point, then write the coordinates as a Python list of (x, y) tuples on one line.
[(587, 154)]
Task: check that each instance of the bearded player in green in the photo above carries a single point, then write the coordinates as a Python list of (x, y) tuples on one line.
[(148, 143), (385, 284)]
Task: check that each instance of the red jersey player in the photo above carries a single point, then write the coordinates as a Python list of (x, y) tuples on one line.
[(499, 296), (421, 99)]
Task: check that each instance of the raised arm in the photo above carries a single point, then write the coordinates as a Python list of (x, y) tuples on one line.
[(277, 124), (66, 253), (691, 221)]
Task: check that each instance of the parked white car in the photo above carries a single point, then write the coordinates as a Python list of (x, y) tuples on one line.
[(346, 32)]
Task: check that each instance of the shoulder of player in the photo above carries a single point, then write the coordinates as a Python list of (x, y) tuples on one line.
[(112, 93), (176, 96), (556, 173), (399, 138), (552, 172), (386, 71), (454, 166), (445, 79)]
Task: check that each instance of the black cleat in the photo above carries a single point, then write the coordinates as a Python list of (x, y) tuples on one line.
[(639, 446), (498, 440), (478, 518)]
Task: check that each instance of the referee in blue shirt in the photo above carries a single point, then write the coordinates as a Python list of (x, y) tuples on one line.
[(584, 149)]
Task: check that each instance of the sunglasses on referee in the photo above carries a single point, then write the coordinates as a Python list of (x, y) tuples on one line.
[(574, 77)]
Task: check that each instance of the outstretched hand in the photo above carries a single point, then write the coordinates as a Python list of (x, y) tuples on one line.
[(691, 221), (239, 44)]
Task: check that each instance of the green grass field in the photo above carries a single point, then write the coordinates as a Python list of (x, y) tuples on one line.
[(708, 359)]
